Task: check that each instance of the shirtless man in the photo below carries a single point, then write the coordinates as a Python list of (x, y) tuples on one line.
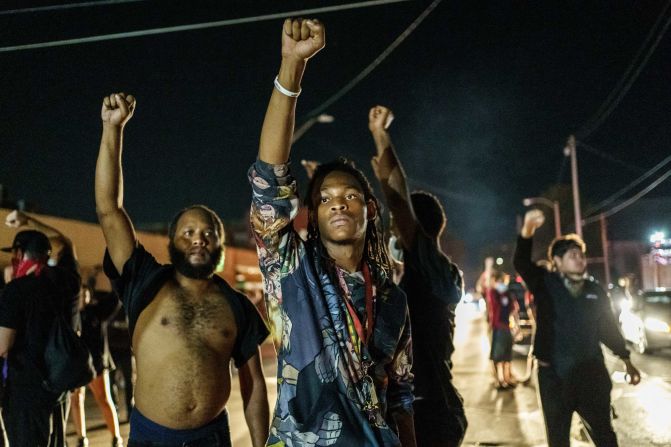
[(186, 324)]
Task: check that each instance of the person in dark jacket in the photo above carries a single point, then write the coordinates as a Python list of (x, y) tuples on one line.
[(573, 319), (434, 286)]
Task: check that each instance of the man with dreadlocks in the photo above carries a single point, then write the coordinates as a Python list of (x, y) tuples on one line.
[(339, 324)]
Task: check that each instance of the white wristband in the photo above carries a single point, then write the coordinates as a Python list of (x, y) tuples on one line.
[(284, 91)]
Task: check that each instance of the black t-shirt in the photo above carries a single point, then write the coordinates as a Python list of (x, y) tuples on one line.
[(434, 286), (143, 277), (29, 305)]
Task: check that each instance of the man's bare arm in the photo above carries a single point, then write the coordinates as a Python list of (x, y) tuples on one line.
[(7, 337), (255, 399), (59, 242), (117, 109), (301, 39), (389, 172)]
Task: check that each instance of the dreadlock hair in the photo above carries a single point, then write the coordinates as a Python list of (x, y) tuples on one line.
[(430, 213), (375, 253)]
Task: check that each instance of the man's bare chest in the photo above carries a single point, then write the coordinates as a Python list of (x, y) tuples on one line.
[(179, 316)]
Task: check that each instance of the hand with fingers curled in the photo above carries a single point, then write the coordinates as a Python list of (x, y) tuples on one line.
[(533, 220), (379, 119), (117, 109), (16, 219), (302, 38), (310, 167)]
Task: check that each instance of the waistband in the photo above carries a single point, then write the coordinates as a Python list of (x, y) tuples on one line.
[(143, 429)]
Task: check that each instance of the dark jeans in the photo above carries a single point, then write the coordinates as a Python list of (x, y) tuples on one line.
[(34, 417), (587, 392), (437, 425)]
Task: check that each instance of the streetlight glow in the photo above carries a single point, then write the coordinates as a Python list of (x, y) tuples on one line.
[(657, 236)]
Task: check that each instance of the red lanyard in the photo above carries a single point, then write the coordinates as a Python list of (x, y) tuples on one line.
[(364, 332)]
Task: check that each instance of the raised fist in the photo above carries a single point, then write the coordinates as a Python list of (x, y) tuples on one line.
[(533, 220), (16, 219), (302, 38), (310, 167), (379, 118), (117, 109)]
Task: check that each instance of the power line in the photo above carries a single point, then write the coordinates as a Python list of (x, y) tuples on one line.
[(630, 201), (195, 26), (630, 186), (443, 191), (624, 84), (366, 71), (609, 157), (66, 6)]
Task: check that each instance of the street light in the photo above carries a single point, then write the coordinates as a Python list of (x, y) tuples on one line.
[(323, 118), (547, 202)]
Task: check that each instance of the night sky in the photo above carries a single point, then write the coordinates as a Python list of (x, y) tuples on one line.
[(485, 95)]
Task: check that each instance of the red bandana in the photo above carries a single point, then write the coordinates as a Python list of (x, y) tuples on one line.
[(27, 266)]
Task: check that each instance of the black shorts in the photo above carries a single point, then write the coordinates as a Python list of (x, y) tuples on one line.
[(502, 346)]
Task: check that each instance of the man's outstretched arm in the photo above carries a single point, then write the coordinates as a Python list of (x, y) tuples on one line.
[(301, 39), (530, 272), (255, 399), (389, 172), (61, 245), (117, 109)]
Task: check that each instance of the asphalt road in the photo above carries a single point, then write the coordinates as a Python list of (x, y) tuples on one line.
[(501, 418)]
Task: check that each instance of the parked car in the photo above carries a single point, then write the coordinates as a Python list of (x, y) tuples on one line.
[(646, 320)]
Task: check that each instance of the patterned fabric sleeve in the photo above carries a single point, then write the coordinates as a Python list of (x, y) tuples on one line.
[(274, 206), (400, 392)]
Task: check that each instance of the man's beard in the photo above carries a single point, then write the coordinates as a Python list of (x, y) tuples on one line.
[(201, 271)]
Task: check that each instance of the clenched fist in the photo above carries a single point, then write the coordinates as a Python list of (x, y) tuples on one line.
[(310, 167), (379, 118), (16, 219), (533, 220), (302, 38), (117, 109)]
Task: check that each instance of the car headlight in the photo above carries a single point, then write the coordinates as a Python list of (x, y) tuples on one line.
[(625, 305), (655, 325)]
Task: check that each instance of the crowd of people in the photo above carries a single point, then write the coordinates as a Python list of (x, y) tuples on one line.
[(364, 340)]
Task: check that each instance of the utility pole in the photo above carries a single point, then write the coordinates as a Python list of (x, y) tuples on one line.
[(605, 248), (569, 151)]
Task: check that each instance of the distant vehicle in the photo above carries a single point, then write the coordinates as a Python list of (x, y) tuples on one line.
[(646, 320)]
